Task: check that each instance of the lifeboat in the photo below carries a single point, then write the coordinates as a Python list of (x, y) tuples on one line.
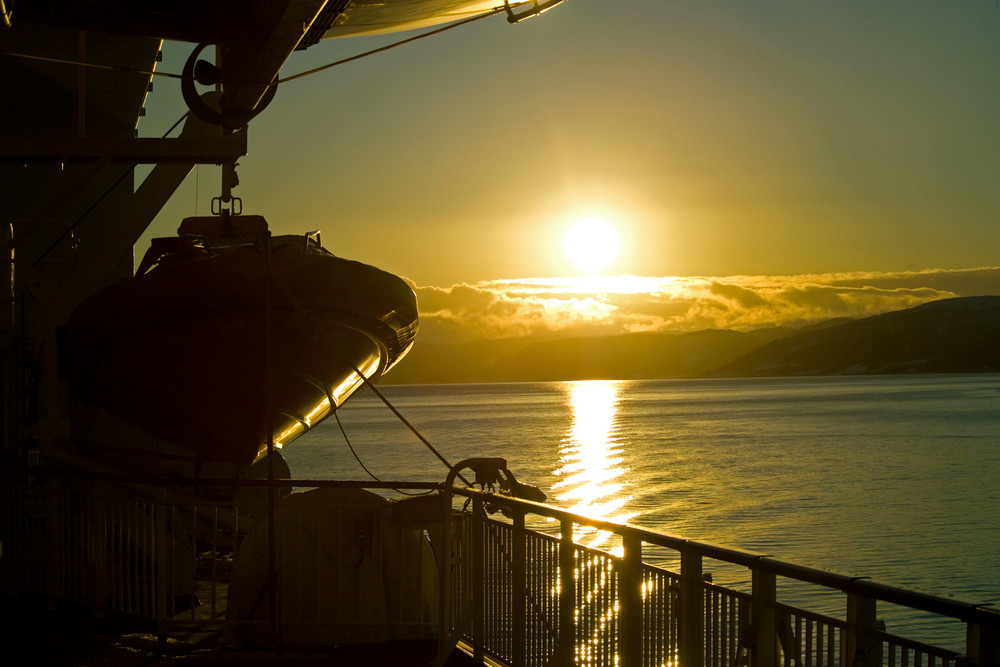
[(228, 338)]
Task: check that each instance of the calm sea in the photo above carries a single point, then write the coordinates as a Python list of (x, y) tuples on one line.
[(894, 478)]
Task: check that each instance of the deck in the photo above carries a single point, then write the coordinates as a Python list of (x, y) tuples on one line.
[(32, 633), (516, 587)]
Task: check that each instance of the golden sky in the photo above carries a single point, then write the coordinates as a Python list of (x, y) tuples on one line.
[(630, 304), (765, 146)]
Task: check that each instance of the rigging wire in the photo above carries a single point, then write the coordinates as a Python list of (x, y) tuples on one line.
[(387, 47), (336, 415), (408, 40), (368, 383), (174, 126), (413, 429), (97, 202), (80, 63), (69, 230), (274, 82)]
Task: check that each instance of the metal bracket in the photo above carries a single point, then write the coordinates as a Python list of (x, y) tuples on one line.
[(203, 72), (235, 206), (229, 181), (536, 9)]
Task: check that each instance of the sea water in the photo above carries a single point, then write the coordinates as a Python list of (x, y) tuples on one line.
[(894, 478)]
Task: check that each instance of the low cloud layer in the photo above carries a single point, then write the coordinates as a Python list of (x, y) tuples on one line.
[(605, 305)]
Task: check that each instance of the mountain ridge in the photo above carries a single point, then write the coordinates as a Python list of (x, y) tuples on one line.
[(947, 336)]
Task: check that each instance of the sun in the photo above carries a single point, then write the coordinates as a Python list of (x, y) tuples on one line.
[(591, 244)]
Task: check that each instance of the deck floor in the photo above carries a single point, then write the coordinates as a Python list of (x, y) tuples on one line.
[(31, 633)]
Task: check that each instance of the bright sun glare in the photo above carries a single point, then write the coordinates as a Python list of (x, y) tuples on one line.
[(591, 244)]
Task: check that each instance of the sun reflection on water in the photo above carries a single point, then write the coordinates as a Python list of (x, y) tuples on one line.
[(592, 471)]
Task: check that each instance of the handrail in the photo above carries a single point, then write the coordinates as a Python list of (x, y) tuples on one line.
[(965, 611), (500, 563), (155, 480)]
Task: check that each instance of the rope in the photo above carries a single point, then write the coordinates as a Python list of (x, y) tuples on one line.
[(174, 126), (413, 429), (437, 31), (134, 70), (78, 63), (69, 230), (336, 415)]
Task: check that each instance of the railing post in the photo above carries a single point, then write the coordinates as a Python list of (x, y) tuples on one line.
[(630, 614), (55, 525), (160, 569), (518, 595), (446, 599), (478, 578), (983, 643), (691, 651), (98, 549), (567, 596), (861, 647), (764, 588)]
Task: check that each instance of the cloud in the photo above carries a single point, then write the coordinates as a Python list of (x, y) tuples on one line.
[(741, 296), (620, 304), (467, 312)]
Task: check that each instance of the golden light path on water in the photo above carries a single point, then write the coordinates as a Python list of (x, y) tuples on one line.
[(591, 464), (593, 482)]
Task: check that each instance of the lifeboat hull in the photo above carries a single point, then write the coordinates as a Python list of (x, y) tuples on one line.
[(224, 352)]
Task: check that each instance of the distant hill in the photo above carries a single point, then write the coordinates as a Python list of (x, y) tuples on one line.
[(625, 356), (476, 361), (949, 336), (630, 356)]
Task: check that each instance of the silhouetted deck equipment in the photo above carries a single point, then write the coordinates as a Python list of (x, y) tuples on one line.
[(161, 549), (509, 593), (228, 338)]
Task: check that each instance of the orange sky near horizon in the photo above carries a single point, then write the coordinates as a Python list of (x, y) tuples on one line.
[(602, 305), (719, 138)]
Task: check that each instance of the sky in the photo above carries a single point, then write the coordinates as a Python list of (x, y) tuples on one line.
[(762, 163)]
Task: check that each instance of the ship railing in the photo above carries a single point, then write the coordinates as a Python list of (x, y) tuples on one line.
[(524, 591), (161, 552), (519, 585)]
